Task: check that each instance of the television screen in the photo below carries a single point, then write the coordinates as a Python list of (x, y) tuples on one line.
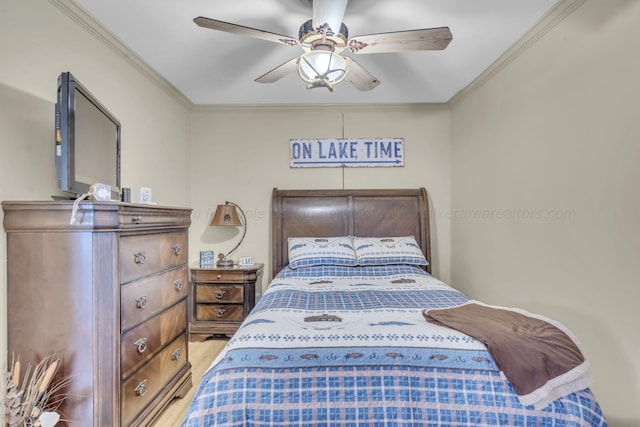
[(87, 140)]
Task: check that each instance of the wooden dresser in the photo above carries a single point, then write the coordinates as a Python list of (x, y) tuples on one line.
[(109, 293)]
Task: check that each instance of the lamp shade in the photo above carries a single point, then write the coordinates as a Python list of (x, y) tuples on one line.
[(322, 65), (226, 215)]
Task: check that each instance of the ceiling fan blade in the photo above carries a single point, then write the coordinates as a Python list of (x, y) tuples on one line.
[(359, 77), (401, 41), (227, 27), (330, 12), (291, 66)]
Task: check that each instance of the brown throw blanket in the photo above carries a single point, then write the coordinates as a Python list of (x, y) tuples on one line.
[(537, 357)]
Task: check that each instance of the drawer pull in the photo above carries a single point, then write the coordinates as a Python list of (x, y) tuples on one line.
[(178, 285), (142, 345), (219, 276), (176, 354), (142, 302), (136, 219), (220, 312), (220, 294), (139, 258), (176, 249), (141, 389)]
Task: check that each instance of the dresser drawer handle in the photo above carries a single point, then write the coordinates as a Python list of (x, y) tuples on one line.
[(142, 302), (176, 249), (141, 389), (220, 294), (219, 276), (142, 345), (178, 285), (220, 312), (136, 219), (176, 354), (139, 258)]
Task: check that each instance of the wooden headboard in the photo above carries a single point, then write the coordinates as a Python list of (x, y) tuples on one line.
[(362, 213)]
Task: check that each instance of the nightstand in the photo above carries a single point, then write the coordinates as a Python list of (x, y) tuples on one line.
[(220, 298)]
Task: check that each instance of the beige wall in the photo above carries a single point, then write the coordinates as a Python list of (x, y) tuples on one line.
[(241, 154), (37, 42), (532, 176), (545, 193)]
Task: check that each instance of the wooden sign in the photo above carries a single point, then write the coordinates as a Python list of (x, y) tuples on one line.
[(346, 152)]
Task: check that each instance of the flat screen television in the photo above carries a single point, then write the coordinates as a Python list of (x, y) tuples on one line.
[(87, 140)]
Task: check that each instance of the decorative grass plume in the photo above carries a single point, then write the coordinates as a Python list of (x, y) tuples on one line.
[(35, 401)]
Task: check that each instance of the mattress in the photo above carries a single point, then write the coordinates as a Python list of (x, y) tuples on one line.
[(349, 346)]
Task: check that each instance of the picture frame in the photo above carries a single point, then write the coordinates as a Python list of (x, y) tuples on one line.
[(207, 259)]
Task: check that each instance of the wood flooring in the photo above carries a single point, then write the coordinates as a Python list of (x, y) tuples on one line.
[(201, 354)]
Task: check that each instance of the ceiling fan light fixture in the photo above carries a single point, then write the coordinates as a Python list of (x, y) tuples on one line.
[(322, 68)]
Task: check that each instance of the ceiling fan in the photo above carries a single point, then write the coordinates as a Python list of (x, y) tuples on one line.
[(324, 37)]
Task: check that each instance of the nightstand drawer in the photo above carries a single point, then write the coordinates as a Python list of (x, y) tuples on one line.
[(219, 293), (228, 275), (145, 254), (142, 342), (220, 312), (144, 298)]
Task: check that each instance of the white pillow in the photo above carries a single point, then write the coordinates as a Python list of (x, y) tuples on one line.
[(388, 250), (312, 251)]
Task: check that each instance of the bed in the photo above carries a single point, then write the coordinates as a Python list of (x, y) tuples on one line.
[(338, 341)]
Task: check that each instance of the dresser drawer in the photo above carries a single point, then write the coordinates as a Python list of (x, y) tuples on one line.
[(141, 343), (219, 312), (219, 293), (141, 388), (227, 275), (144, 254), (139, 216), (141, 299)]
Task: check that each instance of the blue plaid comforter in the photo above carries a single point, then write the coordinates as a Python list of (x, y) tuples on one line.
[(348, 346)]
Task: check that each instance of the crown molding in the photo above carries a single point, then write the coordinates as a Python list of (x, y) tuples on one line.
[(323, 107), (552, 18), (100, 33)]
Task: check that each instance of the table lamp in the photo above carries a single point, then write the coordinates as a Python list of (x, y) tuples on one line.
[(227, 215)]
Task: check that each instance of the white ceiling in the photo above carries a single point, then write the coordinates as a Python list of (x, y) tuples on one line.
[(211, 67)]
